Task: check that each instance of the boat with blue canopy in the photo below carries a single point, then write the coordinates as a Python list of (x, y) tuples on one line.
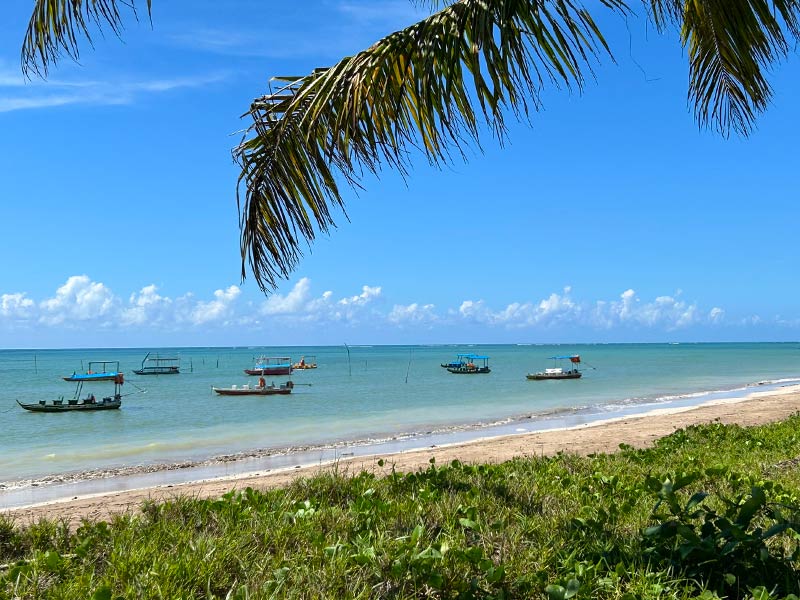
[(473, 364), (271, 365), (79, 403), (557, 371), (461, 360), (99, 370)]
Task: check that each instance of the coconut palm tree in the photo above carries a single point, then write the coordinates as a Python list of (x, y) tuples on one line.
[(434, 86)]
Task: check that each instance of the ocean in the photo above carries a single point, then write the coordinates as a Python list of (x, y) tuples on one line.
[(358, 396)]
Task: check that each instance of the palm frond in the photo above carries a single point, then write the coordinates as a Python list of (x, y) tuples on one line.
[(731, 45), (430, 86), (55, 25)]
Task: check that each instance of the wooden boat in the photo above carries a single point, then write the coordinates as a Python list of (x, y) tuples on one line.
[(159, 366), (461, 360), (470, 367), (558, 372), (264, 390), (99, 370), (75, 405), (271, 365), (78, 404), (303, 364)]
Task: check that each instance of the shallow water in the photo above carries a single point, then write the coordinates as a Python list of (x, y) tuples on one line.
[(380, 392)]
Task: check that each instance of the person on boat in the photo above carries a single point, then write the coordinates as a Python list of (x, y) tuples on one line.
[(303, 362), (261, 382)]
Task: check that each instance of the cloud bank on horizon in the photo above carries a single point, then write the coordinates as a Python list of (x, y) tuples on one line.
[(83, 304)]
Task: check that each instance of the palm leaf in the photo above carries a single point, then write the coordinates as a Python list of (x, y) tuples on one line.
[(55, 25), (731, 44), (431, 86)]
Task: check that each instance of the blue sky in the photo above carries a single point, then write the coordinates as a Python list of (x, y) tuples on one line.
[(613, 217)]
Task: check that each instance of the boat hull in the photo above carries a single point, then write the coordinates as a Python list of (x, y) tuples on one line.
[(269, 371), (158, 371), (109, 404), (544, 376), (92, 377), (467, 371), (268, 391)]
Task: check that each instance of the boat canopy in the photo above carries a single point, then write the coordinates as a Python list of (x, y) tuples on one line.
[(271, 360), (103, 367), (573, 357)]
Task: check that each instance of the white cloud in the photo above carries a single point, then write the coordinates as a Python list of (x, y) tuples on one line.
[(414, 313), (147, 307), (298, 305), (556, 308), (16, 93), (82, 302), (367, 295), (294, 302), (218, 309), (79, 299), (665, 312), (16, 306)]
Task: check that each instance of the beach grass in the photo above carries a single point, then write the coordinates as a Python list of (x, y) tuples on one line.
[(711, 511)]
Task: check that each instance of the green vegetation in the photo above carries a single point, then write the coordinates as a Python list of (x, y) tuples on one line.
[(710, 511)]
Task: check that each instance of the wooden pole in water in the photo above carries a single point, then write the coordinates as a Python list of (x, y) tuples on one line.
[(410, 354), (349, 366), (35, 367)]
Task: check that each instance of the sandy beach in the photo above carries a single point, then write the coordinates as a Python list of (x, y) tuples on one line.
[(602, 436)]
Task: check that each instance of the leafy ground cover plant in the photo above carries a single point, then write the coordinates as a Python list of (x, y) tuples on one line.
[(709, 511)]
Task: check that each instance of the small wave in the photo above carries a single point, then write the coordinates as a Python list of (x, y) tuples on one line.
[(776, 381), (731, 392)]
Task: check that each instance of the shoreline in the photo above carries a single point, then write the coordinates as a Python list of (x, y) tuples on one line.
[(637, 430), (52, 487)]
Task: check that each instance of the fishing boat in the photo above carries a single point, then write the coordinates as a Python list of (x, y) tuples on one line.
[(557, 371), (474, 364), (460, 361), (306, 363), (158, 365), (271, 365), (78, 404), (258, 390), (99, 370)]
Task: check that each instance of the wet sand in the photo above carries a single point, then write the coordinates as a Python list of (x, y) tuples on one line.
[(600, 436)]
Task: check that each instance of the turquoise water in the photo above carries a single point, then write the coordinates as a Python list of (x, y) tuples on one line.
[(380, 392)]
